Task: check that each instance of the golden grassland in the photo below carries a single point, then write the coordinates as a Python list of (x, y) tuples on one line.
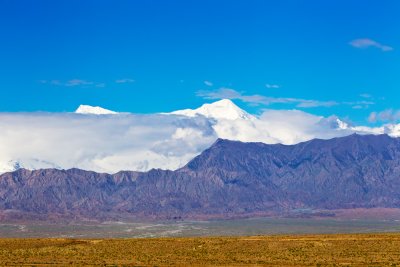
[(294, 250)]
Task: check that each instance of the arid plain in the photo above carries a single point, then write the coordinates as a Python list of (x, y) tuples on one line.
[(279, 250)]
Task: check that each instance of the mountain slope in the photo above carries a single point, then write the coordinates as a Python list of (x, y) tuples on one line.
[(230, 178), (222, 109), (347, 172), (86, 109)]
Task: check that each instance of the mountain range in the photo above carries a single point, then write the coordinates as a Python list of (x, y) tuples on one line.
[(102, 140), (229, 179)]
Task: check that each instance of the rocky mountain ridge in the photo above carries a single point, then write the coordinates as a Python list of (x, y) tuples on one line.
[(229, 179)]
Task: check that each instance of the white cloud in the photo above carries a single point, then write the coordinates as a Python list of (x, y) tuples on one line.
[(208, 83), (366, 43), (126, 80), (388, 115), (294, 126), (357, 107), (77, 82), (372, 117), (102, 143), (365, 95), (274, 86), (124, 141), (360, 104)]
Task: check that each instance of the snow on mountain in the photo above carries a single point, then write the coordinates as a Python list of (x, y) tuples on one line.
[(341, 124), (30, 164), (277, 126), (8, 166), (222, 109), (273, 126), (230, 122), (86, 109)]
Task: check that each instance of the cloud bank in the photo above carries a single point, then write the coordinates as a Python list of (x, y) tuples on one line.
[(110, 142), (105, 143)]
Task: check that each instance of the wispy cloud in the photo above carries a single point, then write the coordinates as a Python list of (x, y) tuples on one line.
[(126, 80), (388, 115), (357, 107), (256, 99), (366, 43), (273, 86), (208, 83), (52, 82), (304, 103), (73, 83), (365, 95), (360, 104), (366, 101), (78, 82)]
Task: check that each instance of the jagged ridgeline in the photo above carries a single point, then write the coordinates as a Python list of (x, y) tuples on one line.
[(228, 179)]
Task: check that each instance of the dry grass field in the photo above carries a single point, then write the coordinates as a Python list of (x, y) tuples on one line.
[(304, 250)]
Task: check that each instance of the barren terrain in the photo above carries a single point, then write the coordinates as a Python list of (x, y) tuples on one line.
[(282, 250)]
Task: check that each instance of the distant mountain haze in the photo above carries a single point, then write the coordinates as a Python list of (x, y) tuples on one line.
[(228, 179)]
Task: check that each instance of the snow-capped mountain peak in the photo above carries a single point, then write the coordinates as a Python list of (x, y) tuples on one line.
[(222, 109), (29, 163), (342, 125), (86, 109)]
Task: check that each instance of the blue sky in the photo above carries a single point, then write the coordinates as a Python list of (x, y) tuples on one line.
[(324, 57)]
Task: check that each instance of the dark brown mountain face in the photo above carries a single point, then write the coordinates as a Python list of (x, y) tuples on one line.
[(228, 179)]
